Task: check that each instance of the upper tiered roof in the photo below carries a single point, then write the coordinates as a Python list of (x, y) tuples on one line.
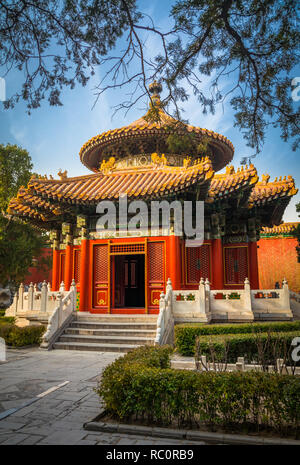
[(149, 134), (135, 160)]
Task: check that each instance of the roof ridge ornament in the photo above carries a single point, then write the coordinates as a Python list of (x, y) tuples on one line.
[(159, 161), (62, 175), (265, 179), (108, 166)]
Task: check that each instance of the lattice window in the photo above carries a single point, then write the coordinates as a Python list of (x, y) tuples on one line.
[(101, 263), (197, 263), (127, 248), (236, 265), (156, 261), (77, 254)]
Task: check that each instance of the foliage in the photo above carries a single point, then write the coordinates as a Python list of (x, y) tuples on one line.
[(6, 319), (178, 143), (15, 171), (15, 336), (56, 44), (248, 48), (297, 232), (249, 401), (19, 242), (251, 346), (185, 334)]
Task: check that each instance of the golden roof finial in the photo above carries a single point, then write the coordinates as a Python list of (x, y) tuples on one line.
[(108, 166), (62, 174), (230, 169), (155, 89), (265, 178)]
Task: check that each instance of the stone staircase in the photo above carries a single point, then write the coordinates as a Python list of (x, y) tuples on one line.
[(108, 333)]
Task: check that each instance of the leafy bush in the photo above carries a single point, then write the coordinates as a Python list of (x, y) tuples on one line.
[(18, 337), (268, 346), (141, 384), (185, 335), (6, 319)]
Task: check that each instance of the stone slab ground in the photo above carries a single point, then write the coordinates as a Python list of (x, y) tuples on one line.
[(58, 417)]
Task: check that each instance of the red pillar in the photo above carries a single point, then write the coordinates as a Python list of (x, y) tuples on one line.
[(84, 273), (55, 270), (174, 262), (253, 265), (217, 264), (68, 267)]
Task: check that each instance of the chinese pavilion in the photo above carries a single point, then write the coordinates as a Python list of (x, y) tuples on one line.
[(127, 274)]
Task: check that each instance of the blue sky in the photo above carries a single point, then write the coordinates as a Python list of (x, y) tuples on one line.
[(54, 135)]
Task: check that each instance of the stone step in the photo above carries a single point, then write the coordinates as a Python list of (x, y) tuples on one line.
[(111, 332), (95, 347), (98, 318), (113, 326), (106, 339)]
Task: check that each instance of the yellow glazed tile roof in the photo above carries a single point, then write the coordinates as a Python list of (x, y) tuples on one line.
[(223, 185)]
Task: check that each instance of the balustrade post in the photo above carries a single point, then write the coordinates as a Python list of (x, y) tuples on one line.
[(59, 298), (15, 303), (62, 287), (21, 298), (285, 304), (30, 297), (73, 294), (169, 285), (44, 297), (202, 302), (240, 364), (247, 292)]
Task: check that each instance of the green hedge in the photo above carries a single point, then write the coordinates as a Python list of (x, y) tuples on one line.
[(4, 320), (270, 346), (15, 336), (140, 385), (185, 335)]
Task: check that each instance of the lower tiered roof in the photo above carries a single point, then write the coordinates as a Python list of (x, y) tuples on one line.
[(49, 202)]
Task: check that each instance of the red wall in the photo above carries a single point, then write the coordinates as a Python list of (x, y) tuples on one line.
[(277, 259), (36, 275)]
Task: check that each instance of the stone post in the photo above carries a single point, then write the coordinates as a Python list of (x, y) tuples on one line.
[(73, 295), (247, 294), (285, 295), (169, 285), (44, 297), (207, 296), (21, 298), (240, 364), (202, 306), (14, 307), (30, 297), (62, 287), (59, 298)]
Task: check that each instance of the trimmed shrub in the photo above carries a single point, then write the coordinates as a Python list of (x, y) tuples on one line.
[(15, 336), (6, 319), (132, 386), (266, 346), (185, 334)]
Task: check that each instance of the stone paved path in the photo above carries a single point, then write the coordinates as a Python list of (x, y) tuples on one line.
[(58, 417)]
